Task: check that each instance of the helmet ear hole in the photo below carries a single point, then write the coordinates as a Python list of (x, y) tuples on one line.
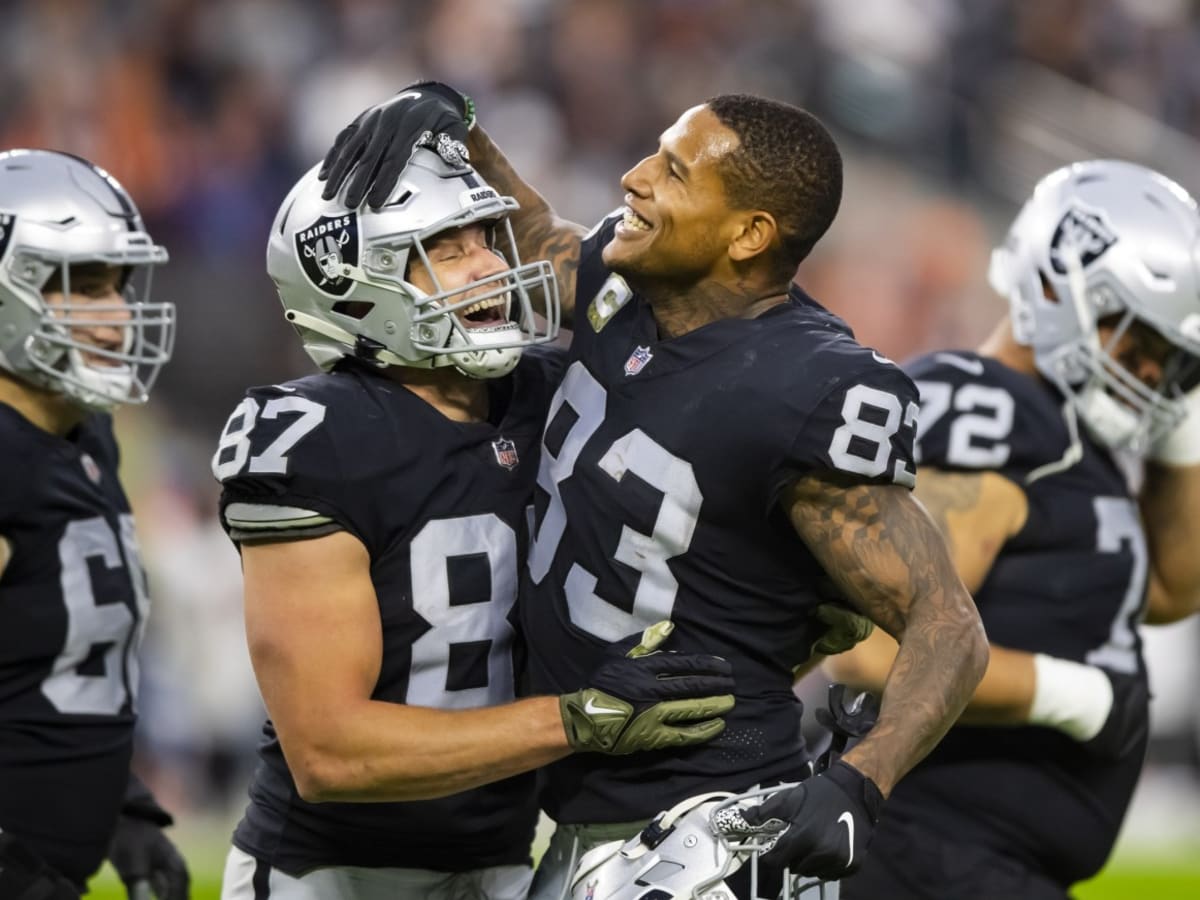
[(354, 309), (1048, 290)]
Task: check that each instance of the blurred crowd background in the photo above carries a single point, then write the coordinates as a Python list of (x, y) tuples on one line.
[(208, 111)]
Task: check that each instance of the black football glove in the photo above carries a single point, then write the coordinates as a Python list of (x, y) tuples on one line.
[(25, 876), (1128, 721), (644, 699), (140, 852), (819, 828), (377, 145)]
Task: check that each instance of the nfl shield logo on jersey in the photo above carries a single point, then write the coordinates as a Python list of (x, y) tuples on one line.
[(323, 247), (90, 467), (638, 360), (506, 453)]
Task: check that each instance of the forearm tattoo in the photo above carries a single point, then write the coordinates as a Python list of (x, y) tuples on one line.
[(883, 551), (539, 232)]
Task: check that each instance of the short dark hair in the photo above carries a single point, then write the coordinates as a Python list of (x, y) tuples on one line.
[(788, 164)]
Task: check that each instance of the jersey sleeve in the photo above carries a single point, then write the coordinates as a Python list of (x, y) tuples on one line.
[(967, 416), (282, 466), (862, 428)]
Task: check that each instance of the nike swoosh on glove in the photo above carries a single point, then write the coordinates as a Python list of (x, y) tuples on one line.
[(819, 828), (378, 144), (141, 852), (645, 699)]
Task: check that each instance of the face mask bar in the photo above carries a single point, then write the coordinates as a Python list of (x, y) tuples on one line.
[(147, 336), (535, 323), (1119, 408), (518, 285)]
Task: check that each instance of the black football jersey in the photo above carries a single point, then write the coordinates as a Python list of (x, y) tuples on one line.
[(662, 466), (72, 603), (1070, 584), (441, 507)]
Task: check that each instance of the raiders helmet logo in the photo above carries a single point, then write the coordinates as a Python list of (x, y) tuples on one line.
[(1084, 232), (7, 221), (323, 247)]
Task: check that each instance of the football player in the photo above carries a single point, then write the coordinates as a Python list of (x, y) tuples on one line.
[(381, 508), (1020, 447), (719, 443), (78, 336)]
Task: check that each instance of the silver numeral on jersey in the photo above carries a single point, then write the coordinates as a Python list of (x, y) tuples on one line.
[(454, 622), (91, 624), (863, 445), (1118, 528), (585, 395), (988, 415), (235, 437), (674, 524)]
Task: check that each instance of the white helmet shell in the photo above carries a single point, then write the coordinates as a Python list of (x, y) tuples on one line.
[(59, 211), (1103, 239), (342, 275), (683, 854)]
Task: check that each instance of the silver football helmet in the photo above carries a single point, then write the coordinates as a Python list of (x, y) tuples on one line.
[(1108, 239), (685, 854), (59, 211), (343, 276)]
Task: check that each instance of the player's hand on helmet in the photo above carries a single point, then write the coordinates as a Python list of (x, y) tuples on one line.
[(819, 828), (844, 628), (369, 154), (141, 852), (25, 876), (640, 698)]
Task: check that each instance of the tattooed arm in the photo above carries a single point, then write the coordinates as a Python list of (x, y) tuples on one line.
[(977, 513), (540, 233), (887, 558)]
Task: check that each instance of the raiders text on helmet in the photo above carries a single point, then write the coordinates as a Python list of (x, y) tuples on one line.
[(342, 275), (59, 211)]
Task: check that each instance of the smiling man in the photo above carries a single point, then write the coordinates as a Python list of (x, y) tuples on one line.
[(78, 337), (380, 507), (719, 445)]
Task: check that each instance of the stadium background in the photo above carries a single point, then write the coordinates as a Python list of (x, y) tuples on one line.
[(208, 110)]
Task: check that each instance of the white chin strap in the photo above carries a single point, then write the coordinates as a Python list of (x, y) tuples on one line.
[(476, 355), (1109, 421), (99, 387)]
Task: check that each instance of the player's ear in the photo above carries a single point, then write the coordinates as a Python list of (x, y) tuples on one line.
[(754, 233)]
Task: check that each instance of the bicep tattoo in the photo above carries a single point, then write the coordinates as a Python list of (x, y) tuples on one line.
[(875, 542)]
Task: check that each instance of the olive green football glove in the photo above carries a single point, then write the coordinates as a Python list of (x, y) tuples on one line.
[(844, 629), (646, 699)]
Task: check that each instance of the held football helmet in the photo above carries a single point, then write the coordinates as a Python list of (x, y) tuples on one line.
[(683, 854), (343, 276), (58, 211), (1103, 239)]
